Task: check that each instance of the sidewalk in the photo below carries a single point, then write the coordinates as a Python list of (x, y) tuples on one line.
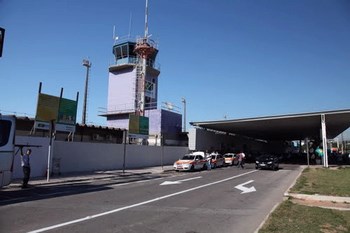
[(323, 201), (93, 175)]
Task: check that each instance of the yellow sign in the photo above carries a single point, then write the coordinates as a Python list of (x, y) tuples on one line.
[(47, 109), (59, 110)]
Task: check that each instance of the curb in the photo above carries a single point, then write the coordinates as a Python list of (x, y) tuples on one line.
[(316, 197), (277, 204), (286, 194), (320, 198)]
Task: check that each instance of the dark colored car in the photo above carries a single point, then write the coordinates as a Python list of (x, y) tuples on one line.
[(267, 162)]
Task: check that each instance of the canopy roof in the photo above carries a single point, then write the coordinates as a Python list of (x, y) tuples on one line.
[(283, 127)]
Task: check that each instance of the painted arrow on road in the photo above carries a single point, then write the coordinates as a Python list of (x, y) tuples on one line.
[(179, 181), (245, 189)]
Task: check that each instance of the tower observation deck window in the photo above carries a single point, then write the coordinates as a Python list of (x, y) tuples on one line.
[(124, 50)]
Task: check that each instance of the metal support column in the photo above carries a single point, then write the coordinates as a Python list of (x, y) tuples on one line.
[(324, 140), (307, 151)]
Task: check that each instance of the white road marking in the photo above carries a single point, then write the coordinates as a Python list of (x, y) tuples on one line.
[(138, 204), (245, 189), (179, 181)]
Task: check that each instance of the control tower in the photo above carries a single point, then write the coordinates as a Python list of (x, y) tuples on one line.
[(133, 81), (133, 87)]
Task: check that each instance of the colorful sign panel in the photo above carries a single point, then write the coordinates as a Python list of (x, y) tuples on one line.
[(47, 108), (67, 112), (60, 110), (138, 125)]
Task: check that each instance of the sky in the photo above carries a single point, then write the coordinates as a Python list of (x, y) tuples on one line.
[(230, 59)]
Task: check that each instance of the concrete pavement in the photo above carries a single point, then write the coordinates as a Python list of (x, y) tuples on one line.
[(129, 173)]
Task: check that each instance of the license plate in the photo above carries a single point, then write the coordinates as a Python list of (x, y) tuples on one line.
[(263, 165)]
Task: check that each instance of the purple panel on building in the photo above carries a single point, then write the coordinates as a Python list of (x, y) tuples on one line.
[(154, 121), (171, 122), (164, 122), (121, 91), (160, 122)]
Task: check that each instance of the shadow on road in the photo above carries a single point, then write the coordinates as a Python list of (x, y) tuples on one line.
[(16, 195)]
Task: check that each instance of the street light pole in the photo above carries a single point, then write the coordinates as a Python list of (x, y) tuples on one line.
[(87, 64), (184, 102)]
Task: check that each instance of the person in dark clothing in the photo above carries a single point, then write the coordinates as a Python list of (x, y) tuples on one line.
[(26, 167)]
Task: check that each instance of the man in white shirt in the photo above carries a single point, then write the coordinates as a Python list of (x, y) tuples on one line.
[(26, 166), (241, 157)]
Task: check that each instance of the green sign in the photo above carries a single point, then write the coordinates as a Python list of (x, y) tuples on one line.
[(67, 112), (144, 125), (138, 125), (52, 108)]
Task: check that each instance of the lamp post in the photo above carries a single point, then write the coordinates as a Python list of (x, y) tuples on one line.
[(87, 64), (184, 102)]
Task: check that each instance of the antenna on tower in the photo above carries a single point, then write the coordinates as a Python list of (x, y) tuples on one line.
[(146, 20), (130, 23), (114, 36)]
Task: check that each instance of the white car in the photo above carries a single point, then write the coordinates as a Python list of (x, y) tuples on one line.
[(216, 160), (191, 162), (230, 159)]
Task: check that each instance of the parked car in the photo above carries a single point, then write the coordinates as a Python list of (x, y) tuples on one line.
[(267, 162), (217, 160), (230, 159), (191, 162)]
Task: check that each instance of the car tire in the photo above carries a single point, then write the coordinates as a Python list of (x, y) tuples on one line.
[(192, 168)]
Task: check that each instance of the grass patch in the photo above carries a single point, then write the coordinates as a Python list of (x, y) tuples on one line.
[(323, 181), (290, 217)]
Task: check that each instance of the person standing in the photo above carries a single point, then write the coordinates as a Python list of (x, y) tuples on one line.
[(208, 161), (241, 157), (26, 167)]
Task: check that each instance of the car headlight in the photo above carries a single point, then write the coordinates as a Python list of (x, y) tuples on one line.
[(256, 161), (269, 162)]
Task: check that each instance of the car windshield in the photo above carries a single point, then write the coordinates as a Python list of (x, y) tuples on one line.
[(213, 156), (188, 157), (228, 155), (5, 127), (266, 157)]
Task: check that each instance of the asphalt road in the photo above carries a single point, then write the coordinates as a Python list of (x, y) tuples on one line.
[(185, 202)]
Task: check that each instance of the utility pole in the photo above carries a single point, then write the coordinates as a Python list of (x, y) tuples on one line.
[(2, 38), (184, 102), (87, 64)]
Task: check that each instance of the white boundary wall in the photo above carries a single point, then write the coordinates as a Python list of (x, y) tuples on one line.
[(38, 158), (80, 156), (83, 156)]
